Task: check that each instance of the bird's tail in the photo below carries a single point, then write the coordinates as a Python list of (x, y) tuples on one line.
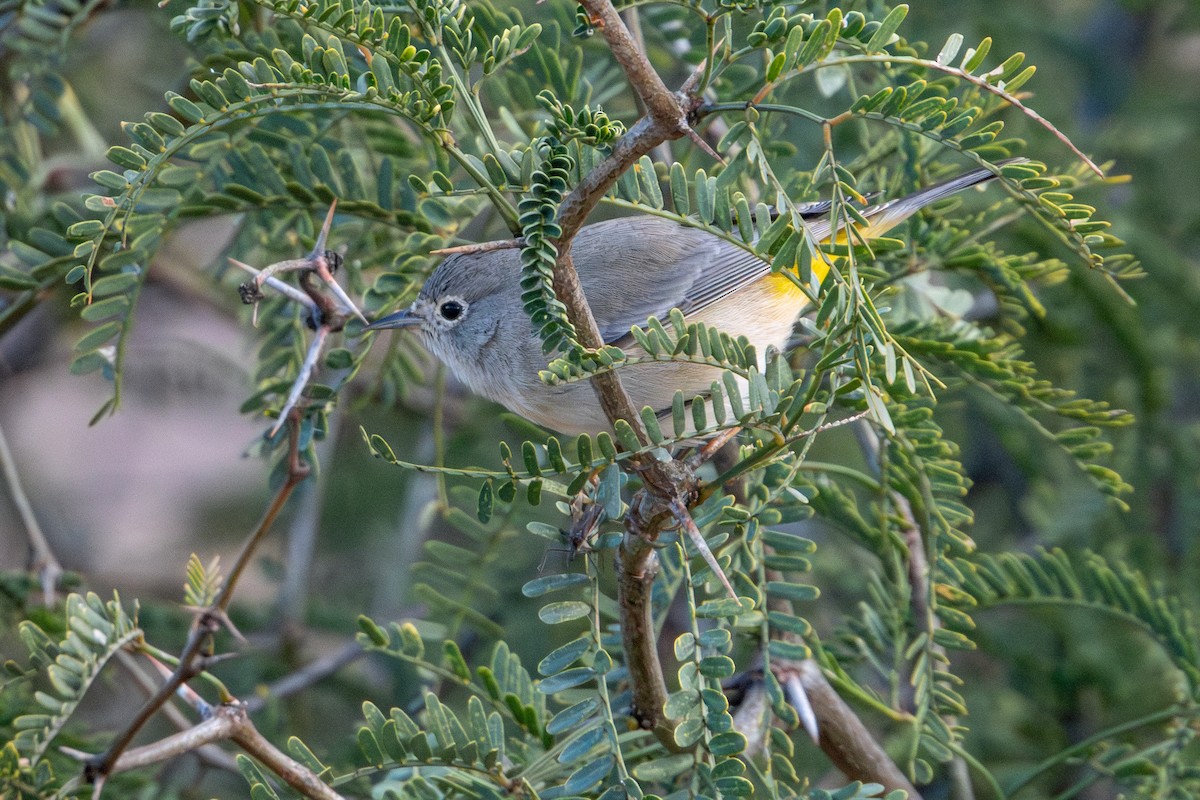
[(885, 216)]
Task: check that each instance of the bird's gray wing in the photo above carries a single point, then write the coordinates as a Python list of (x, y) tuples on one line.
[(637, 267)]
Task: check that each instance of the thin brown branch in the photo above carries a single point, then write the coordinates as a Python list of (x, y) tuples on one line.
[(297, 471), (480, 247), (208, 754), (920, 591), (660, 103), (918, 565), (666, 118), (927, 620), (209, 621), (45, 564)]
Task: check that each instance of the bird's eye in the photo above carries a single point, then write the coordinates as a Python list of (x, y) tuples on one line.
[(451, 310)]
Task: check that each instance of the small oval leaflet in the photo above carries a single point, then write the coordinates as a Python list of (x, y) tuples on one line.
[(564, 656), (566, 680), (553, 583), (563, 611), (570, 717), (584, 742), (663, 769), (589, 775)]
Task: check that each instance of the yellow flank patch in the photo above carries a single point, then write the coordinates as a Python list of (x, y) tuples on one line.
[(884, 219), (783, 288)]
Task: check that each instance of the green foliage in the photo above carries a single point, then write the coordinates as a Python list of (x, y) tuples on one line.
[(539, 253), (1052, 577), (95, 631), (203, 583), (440, 121), (995, 366)]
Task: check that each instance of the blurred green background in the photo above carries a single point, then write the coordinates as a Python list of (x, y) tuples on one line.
[(126, 501)]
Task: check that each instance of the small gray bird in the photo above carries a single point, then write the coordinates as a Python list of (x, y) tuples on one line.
[(470, 315)]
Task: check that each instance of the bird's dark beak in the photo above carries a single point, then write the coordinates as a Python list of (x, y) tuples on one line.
[(401, 319)]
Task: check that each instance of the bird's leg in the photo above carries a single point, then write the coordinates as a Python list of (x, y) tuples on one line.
[(585, 524), (705, 452)]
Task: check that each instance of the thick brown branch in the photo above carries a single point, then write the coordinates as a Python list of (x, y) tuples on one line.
[(844, 738), (666, 481), (637, 569), (666, 118)]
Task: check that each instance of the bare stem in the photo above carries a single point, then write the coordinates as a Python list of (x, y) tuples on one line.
[(297, 471), (311, 673), (44, 561)]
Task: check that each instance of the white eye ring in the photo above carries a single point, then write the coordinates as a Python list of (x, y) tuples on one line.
[(451, 310)]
